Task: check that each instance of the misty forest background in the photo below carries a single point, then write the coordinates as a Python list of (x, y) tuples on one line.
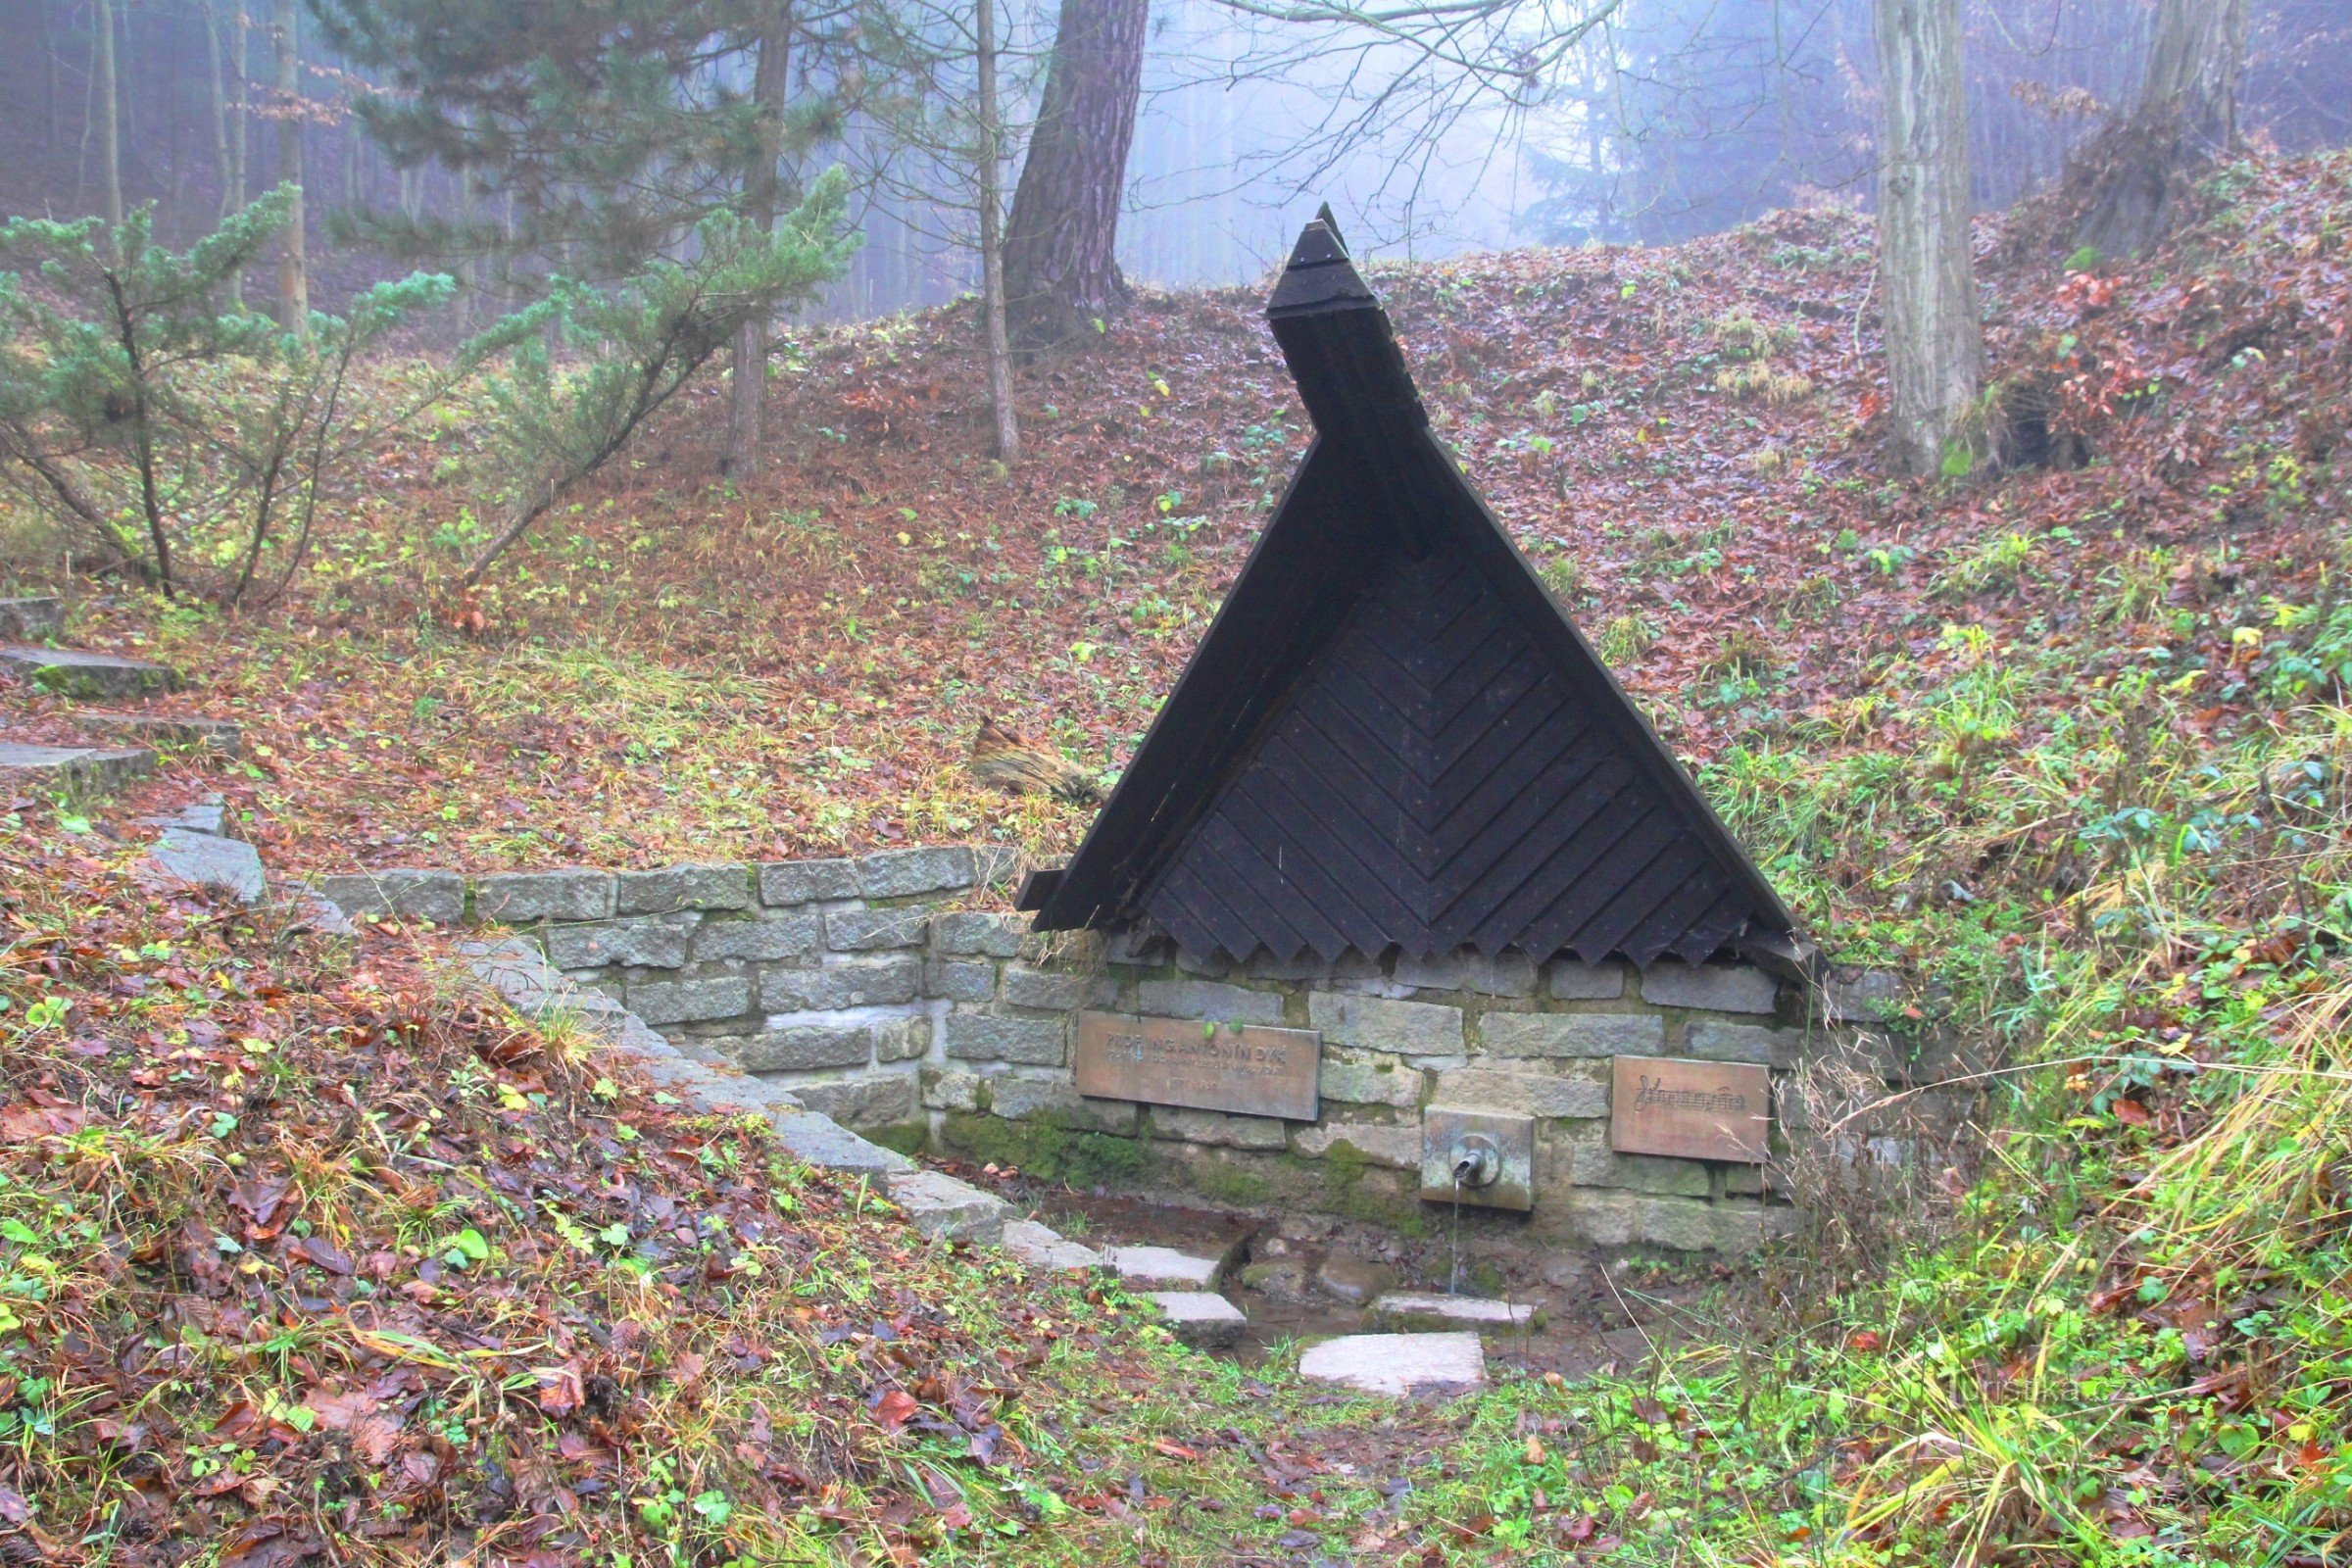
[(1653, 121)]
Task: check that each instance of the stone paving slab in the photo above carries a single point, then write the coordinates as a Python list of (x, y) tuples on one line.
[(1147, 1268), (218, 736), (74, 768), (71, 672), (208, 816), (939, 1206), (203, 861), (1043, 1246), (1398, 1365), (1202, 1318), (1407, 1311)]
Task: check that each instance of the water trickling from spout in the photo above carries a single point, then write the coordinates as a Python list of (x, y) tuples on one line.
[(1454, 1269)]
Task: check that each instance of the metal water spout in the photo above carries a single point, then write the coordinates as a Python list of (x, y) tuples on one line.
[(1476, 1161)]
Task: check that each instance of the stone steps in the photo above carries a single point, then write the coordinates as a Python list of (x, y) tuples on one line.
[(73, 769), (1202, 1319), (1164, 1268), (219, 736), (71, 672)]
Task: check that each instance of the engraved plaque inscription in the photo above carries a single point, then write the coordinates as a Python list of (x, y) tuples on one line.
[(1245, 1068), (1692, 1110)]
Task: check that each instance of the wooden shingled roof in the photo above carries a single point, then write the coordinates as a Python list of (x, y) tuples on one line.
[(1391, 735)]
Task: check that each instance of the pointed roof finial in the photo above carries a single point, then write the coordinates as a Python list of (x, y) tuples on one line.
[(1323, 216)]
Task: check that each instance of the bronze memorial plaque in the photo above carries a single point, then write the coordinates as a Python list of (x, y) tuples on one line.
[(1245, 1068), (1692, 1110)]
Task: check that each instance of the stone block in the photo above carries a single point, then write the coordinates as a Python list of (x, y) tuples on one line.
[(955, 980), (1711, 1041), (902, 873), (881, 1100), (950, 1089), (206, 861), (722, 996), (1164, 1267), (31, 619), (1715, 987), (219, 736), (1048, 989), (1598, 1166), (203, 861), (1218, 1130), (1602, 1217), (1367, 1082), (416, 895), (1572, 1034), (820, 1141), (1870, 996), (766, 938), (1398, 1365), (682, 887), (1208, 1000), (947, 1209), (800, 1047), (1397, 1148), (649, 942), (1379, 1023), (1526, 1094), (1426, 1312), (1029, 1041), (1202, 1319), (1043, 1247), (1684, 1226), (902, 1039), (980, 934), (87, 677), (73, 769), (1744, 1180), (1574, 980), (1023, 1098), (209, 817), (857, 983), (785, 882), (870, 930), (517, 897), (1504, 974)]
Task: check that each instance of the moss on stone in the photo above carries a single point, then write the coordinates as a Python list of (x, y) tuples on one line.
[(905, 1138), (1231, 1183), (1048, 1148)]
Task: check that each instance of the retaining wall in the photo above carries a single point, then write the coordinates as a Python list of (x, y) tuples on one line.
[(876, 992)]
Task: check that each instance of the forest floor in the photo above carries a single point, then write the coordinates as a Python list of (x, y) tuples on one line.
[(2062, 737)]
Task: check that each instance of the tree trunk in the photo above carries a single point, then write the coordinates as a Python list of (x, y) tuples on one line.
[(1934, 339), (293, 264), (109, 113), (747, 401), (2186, 111), (220, 83), (992, 246), (1061, 270), (240, 121)]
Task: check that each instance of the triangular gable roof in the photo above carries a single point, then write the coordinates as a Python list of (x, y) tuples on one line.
[(1391, 734)]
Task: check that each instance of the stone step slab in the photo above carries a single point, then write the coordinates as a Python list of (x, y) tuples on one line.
[(72, 769), (942, 1206), (1414, 1312), (31, 619), (219, 736), (1165, 1268), (1398, 1365), (70, 672), (183, 858), (208, 816), (1202, 1319), (1043, 1246)]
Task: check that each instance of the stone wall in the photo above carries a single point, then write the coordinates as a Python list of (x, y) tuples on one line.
[(878, 992)]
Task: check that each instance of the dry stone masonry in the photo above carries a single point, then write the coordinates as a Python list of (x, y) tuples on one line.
[(872, 990)]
